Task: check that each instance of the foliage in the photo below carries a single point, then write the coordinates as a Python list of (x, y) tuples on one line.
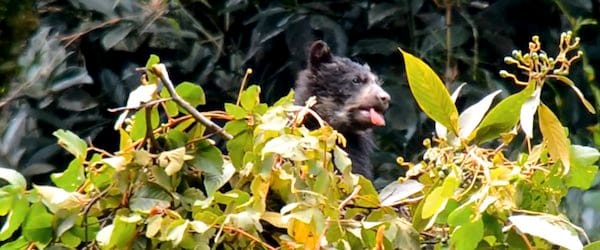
[(282, 185), (471, 192)]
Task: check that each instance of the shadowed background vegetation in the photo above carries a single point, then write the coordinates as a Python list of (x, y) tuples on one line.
[(64, 63)]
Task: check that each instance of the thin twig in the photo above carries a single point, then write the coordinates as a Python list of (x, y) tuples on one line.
[(349, 198), (160, 71)]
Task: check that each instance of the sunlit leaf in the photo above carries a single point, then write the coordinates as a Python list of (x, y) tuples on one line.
[(72, 143), (467, 235), (582, 171), (470, 118), (16, 216), (555, 137), (430, 93), (503, 117), (236, 111), (56, 199), (173, 160), (434, 203), (191, 93), (571, 84), (440, 130), (38, 225), (71, 178), (548, 228), (177, 230), (250, 98), (13, 178), (528, 111), (396, 192)]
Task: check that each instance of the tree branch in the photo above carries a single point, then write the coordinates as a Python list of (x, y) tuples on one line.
[(160, 71)]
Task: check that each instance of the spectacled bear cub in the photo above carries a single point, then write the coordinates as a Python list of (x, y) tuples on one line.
[(349, 98)]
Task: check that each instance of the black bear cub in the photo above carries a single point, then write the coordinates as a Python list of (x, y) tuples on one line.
[(349, 98)]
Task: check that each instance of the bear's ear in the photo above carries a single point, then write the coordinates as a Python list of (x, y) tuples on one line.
[(319, 53)]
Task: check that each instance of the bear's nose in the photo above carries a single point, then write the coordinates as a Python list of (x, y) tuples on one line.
[(384, 97)]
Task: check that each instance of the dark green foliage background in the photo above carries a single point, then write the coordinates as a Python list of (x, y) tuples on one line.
[(211, 43)]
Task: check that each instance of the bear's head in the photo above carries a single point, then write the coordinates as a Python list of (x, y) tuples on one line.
[(349, 95)]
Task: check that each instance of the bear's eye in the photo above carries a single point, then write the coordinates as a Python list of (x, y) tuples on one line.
[(356, 80)]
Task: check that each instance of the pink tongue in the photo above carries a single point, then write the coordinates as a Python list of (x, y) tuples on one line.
[(376, 118)]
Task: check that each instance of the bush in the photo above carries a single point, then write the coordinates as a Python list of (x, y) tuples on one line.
[(282, 185)]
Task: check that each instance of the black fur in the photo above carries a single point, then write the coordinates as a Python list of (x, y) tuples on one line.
[(345, 92)]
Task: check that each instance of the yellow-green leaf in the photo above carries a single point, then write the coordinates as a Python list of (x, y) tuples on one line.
[(555, 136), (503, 117), (571, 84), (430, 93)]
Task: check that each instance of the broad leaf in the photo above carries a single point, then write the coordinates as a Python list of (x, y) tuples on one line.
[(191, 93), (72, 143), (503, 117), (468, 235), (430, 93), (13, 178), (528, 111), (470, 118), (71, 178), (555, 137), (396, 192), (548, 228), (582, 171)]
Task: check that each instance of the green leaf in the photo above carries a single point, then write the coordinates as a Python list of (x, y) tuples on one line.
[(191, 93), (461, 215), (592, 246), (341, 159), (208, 158), (19, 243), (583, 155), (468, 235), (549, 228), (72, 143), (470, 118), (154, 59), (250, 98), (38, 225), (582, 171), (555, 137), (125, 229), (430, 93), (238, 146), (434, 203), (288, 146), (236, 111), (149, 196), (213, 181), (15, 217), (71, 178), (503, 117), (13, 178)]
